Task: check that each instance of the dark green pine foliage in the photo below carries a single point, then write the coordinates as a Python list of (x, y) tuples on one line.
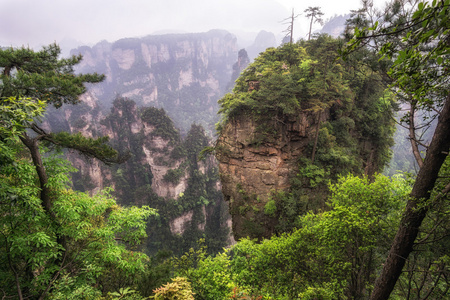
[(164, 126), (43, 78), (134, 175), (43, 75)]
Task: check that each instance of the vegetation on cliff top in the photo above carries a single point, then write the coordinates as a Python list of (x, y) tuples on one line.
[(309, 77)]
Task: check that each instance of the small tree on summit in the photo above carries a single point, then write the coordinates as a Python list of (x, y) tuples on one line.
[(316, 17)]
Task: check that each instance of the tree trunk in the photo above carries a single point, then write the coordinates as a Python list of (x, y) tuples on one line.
[(33, 146), (416, 208), (16, 276)]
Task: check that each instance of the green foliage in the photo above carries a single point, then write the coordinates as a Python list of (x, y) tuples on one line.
[(285, 80), (42, 75), (89, 147), (270, 208), (345, 107), (313, 174), (159, 271), (332, 255), (90, 227), (16, 114), (211, 279), (431, 249), (179, 288), (196, 141), (164, 126), (274, 88), (209, 275), (174, 175), (69, 289), (413, 38), (124, 293), (420, 66), (56, 243)]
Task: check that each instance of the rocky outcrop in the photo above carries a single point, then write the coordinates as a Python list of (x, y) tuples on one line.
[(252, 169), (238, 67)]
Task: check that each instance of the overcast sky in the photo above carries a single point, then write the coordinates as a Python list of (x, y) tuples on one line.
[(40, 22)]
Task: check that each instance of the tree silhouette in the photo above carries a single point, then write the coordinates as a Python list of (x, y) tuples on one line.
[(290, 30), (315, 14)]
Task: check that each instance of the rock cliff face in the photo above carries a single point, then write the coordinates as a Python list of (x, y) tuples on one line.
[(251, 170), (162, 171), (238, 67), (183, 73)]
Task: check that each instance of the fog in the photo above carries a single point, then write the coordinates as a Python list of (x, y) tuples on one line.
[(71, 23)]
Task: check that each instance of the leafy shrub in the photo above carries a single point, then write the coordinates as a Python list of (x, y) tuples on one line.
[(270, 208), (179, 288)]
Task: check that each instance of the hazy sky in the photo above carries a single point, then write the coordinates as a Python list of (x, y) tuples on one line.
[(40, 22)]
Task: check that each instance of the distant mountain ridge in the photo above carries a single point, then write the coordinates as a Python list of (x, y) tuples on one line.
[(183, 73)]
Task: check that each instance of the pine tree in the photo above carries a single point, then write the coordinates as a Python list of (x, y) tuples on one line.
[(315, 14)]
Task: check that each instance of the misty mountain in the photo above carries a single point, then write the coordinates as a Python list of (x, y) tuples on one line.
[(335, 26), (262, 41)]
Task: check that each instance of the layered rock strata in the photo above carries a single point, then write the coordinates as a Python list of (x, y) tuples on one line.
[(252, 169)]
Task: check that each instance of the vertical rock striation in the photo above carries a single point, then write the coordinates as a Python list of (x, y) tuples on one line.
[(251, 170)]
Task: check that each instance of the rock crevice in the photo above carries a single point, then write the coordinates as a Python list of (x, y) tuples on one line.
[(253, 167)]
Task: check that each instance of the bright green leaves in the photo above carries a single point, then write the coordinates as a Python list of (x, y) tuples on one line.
[(16, 114), (286, 80), (347, 237), (419, 50), (128, 224), (375, 201), (179, 288), (27, 240), (332, 255), (97, 233), (52, 238), (267, 87), (103, 228)]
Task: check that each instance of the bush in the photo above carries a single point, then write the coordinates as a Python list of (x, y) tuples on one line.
[(179, 288)]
